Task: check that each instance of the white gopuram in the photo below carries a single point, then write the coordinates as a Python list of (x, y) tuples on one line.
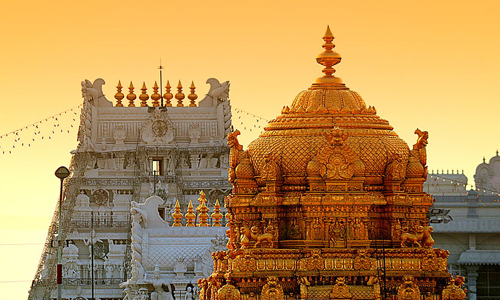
[(128, 152)]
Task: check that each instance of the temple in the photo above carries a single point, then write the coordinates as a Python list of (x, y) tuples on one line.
[(328, 203), (139, 170)]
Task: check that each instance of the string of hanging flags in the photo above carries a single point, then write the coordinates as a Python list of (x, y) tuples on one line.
[(65, 121), (44, 129)]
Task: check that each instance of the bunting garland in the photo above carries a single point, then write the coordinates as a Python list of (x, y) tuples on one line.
[(44, 129), (244, 120)]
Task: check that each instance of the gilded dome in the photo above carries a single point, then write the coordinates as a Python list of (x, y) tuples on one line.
[(298, 135)]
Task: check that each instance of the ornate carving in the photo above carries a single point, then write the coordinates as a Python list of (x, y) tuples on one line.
[(157, 128), (235, 149), (408, 290), (362, 261), (246, 262), (337, 182), (228, 292), (271, 171), (100, 196), (340, 290), (454, 290), (336, 158), (272, 290), (421, 145), (268, 236), (422, 237), (312, 263), (219, 92)]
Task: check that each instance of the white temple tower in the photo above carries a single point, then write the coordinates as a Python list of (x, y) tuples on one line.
[(126, 153)]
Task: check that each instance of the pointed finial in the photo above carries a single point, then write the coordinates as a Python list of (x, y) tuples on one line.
[(484, 159), (177, 215), (190, 216), (119, 95), (192, 96), (144, 96), (216, 216), (497, 152), (202, 210), (328, 58), (180, 95), (155, 96), (131, 96), (168, 95)]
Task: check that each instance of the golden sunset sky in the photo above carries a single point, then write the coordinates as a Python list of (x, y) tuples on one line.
[(429, 64)]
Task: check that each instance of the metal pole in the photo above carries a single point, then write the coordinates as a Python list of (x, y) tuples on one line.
[(61, 173), (161, 84), (59, 246), (92, 253)]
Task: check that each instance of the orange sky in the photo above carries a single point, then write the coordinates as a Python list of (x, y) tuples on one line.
[(427, 64)]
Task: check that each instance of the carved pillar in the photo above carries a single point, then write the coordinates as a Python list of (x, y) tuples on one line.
[(195, 159), (472, 281)]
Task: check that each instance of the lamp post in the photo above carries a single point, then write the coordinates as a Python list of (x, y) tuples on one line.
[(61, 173)]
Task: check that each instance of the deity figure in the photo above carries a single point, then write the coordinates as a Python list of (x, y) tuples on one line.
[(358, 230), (316, 229), (108, 269), (336, 232), (189, 294)]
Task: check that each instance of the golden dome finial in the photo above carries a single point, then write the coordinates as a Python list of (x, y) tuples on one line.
[(131, 96), (119, 95), (216, 215), (177, 215), (180, 95), (155, 96), (168, 95), (203, 210), (144, 95), (328, 58), (193, 95), (190, 216)]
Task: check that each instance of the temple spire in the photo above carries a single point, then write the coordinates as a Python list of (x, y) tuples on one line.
[(328, 58)]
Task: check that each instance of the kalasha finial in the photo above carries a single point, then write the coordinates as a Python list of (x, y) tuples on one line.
[(328, 58), (168, 95), (190, 216), (119, 95), (131, 96), (216, 215), (202, 210), (144, 95), (193, 95), (180, 95), (177, 215), (155, 96)]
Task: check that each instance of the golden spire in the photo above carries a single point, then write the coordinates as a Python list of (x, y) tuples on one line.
[(155, 96), (190, 216), (328, 58), (168, 95), (144, 96), (216, 216), (119, 95), (192, 96), (177, 215), (180, 95), (131, 96), (202, 210)]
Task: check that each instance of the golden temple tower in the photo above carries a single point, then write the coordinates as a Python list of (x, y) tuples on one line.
[(328, 204)]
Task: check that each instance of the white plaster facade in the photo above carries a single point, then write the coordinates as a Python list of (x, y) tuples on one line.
[(473, 236), (128, 154)]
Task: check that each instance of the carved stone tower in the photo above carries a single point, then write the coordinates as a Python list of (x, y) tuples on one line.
[(328, 204), (129, 152)]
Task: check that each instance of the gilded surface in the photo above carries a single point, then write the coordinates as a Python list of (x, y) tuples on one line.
[(328, 204)]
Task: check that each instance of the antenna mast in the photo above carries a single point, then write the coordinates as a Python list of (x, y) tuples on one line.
[(161, 83)]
